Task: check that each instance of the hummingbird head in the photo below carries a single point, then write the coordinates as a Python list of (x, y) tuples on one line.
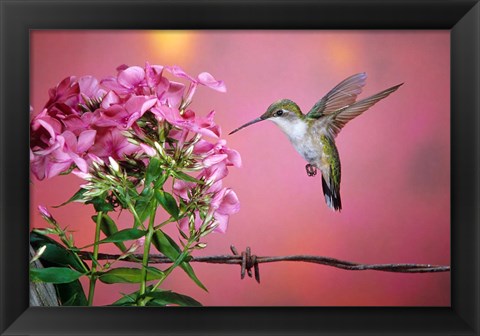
[(281, 112)]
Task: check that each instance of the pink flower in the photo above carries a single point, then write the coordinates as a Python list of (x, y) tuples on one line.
[(184, 222), (131, 77), (209, 81), (43, 129), (170, 93), (77, 148), (66, 92), (148, 150), (204, 78), (224, 204), (214, 154), (153, 74), (128, 81), (44, 212), (111, 98), (80, 123), (124, 115), (178, 72), (111, 142), (62, 151), (89, 87), (181, 188), (201, 125), (51, 161), (216, 172)]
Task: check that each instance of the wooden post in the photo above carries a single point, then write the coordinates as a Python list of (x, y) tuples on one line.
[(41, 293)]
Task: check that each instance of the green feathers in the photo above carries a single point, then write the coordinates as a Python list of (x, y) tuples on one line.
[(331, 180)]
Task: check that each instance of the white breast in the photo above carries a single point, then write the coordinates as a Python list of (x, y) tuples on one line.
[(295, 130)]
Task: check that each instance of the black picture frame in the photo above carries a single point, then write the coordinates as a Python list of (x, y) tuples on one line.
[(18, 17)]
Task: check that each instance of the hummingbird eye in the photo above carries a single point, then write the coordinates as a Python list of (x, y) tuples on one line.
[(278, 113)]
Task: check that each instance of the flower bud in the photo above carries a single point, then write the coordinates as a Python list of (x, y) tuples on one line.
[(44, 212), (148, 150), (160, 149), (187, 152), (39, 253), (114, 164), (82, 175)]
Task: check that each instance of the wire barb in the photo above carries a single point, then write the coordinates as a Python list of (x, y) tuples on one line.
[(248, 261)]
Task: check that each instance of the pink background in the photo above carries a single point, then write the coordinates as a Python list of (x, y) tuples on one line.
[(395, 158)]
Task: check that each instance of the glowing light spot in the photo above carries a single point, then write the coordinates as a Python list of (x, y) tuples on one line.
[(173, 46), (343, 52)]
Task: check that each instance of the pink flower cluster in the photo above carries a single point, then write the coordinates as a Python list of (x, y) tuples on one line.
[(85, 119), (224, 201), (85, 116)]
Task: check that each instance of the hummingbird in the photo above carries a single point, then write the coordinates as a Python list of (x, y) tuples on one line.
[(313, 134)]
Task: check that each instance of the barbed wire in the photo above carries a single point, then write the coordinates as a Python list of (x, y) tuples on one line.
[(248, 261)]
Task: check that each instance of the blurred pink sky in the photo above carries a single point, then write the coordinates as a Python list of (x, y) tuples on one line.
[(395, 158)]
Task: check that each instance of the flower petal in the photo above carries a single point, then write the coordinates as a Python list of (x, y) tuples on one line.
[(131, 77), (222, 222), (214, 159), (86, 140), (208, 80), (148, 150), (178, 72), (230, 203)]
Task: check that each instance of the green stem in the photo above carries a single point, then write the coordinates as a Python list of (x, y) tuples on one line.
[(146, 252), (137, 220), (171, 268), (162, 224), (93, 276), (182, 256), (72, 248)]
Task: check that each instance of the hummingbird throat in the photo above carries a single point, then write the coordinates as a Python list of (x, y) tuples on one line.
[(294, 129)]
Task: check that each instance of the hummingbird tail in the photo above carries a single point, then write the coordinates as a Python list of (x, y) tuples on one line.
[(332, 196)]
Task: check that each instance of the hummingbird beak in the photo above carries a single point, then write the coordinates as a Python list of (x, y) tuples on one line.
[(254, 121)]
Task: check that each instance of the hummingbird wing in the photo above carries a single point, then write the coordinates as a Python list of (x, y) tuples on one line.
[(334, 122), (345, 93)]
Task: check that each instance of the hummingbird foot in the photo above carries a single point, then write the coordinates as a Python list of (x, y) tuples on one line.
[(311, 170)]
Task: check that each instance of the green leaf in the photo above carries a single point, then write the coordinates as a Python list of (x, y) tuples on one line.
[(120, 236), (167, 246), (153, 171), (130, 275), (124, 302), (163, 298), (124, 235), (182, 176), (128, 299), (109, 227), (71, 294), (100, 204), (56, 275), (71, 300), (54, 254), (168, 202), (191, 274), (160, 181), (144, 205), (77, 197), (61, 257)]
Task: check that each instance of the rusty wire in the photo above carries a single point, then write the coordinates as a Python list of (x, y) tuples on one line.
[(248, 261)]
